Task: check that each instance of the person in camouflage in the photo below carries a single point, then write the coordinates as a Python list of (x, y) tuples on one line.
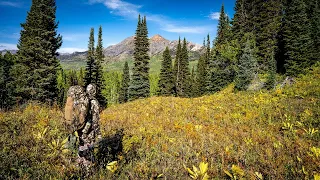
[(90, 131), (76, 108)]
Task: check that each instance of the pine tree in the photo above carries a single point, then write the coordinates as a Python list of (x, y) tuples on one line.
[(314, 16), (90, 60), (97, 71), (140, 85), (272, 71), (223, 34), (81, 77), (6, 91), (240, 20), (166, 83), (203, 68), (37, 65), (183, 75), (246, 67), (219, 75), (297, 38), (72, 78), (176, 67), (124, 91), (268, 23)]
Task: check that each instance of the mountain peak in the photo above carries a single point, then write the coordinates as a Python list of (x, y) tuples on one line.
[(157, 37)]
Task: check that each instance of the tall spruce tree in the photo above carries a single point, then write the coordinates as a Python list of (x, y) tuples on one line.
[(268, 22), (89, 76), (176, 67), (297, 38), (6, 91), (37, 64), (183, 75), (223, 33), (246, 67), (240, 20), (98, 78), (272, 71), (314, 16), (166, 82), (124, 91), (140, 85)]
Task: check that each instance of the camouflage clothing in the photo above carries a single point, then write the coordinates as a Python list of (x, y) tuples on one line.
[(76, 108), (90, 131)]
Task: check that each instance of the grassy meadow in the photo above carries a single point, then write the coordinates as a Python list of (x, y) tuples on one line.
[(228, 135)]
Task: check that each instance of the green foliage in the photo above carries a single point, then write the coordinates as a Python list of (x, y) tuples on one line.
[(267, 22), (32, 148), (124, 96), (90, 60), (222, 66), (240, 19), (166, 82), (140, 85), (297, 38), (182, 72), (7, 90), (113, 87), (223, 33), (176, 66), (36, 68), (98, 71), (246, 67), (314, 16), (272, 71)]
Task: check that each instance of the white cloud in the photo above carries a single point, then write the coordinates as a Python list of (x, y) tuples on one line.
[(11, 4), (186, 29), (71, 50), (120, 7), (129, 10), (7, 46), (214, 15)]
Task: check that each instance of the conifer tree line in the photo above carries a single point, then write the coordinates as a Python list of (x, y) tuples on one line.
[(266, 37), (31, 74), (35, 73), (269, 37)]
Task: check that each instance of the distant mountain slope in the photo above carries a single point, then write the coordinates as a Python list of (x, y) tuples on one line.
[(3, 52), (125, 49)]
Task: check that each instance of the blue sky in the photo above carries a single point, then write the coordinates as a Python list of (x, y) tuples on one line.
[(169, 18)]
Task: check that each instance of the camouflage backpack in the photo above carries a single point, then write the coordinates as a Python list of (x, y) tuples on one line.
[(76, 108)]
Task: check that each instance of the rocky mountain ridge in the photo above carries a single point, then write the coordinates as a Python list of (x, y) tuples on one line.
[(125, 49)]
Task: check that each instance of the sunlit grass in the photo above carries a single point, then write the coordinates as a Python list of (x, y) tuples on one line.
[(249, 135)]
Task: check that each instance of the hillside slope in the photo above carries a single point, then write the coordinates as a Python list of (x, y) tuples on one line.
[(269, 134)]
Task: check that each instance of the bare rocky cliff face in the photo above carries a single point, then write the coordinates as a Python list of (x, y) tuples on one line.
[(125, 49)]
